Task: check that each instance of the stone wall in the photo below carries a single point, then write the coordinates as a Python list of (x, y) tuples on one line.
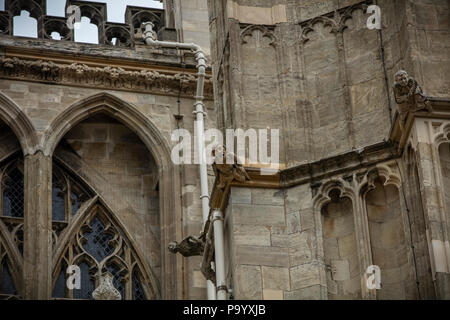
[(316, 241), (272, 246), (191, 19), (326, 84)]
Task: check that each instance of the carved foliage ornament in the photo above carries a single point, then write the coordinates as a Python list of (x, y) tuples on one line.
[(107, 77)]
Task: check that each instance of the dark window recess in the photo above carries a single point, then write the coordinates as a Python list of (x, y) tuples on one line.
[(138, 291), (87, 284), (76, 204), (57, 201), (6, 281), (13, 194), (59, 291)]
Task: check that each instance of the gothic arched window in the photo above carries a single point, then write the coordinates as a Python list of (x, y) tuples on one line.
[(87, 235)]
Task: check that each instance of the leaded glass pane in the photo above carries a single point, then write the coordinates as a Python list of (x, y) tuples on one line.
[(87, 284), (138, 290), (57, 201), (13, 194), (97, 242), (117, 278), (59, 290), (75, 203)]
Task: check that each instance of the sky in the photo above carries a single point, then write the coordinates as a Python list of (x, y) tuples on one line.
[(84, 31)]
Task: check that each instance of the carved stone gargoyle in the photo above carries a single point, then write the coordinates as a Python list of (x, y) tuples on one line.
[(190, 246), (409, 96), (227, 167)]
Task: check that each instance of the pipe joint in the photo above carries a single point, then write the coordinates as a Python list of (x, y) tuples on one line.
[(217, 216), (202, 112), (149, 33)]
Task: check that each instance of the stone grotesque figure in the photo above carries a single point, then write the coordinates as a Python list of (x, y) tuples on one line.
[(190, 246), (227, 167), (409, 96)]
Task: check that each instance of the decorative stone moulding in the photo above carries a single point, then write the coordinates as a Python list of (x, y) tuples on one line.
[(335, 20), (127, 34), (102, 77)]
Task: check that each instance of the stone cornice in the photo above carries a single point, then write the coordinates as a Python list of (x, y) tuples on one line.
[(105, 77), (441, 110)]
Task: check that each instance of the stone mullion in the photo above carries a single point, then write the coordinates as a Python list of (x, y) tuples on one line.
[(70, 261), (129, 277), (37, 227)]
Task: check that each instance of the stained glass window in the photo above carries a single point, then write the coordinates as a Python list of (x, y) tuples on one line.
[(13, 194), (58, 208), (104, 248)]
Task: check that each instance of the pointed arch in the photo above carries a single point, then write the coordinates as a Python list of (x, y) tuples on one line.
[(266, 32), (158, 146), (323, 195), (72, 239), (19, 123), (116, 108)]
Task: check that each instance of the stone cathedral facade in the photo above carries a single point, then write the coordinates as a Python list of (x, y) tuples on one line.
[(85, 151)]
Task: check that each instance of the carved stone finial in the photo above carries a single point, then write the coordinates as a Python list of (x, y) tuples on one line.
[(106, 289), (409, 96), (190, 246)]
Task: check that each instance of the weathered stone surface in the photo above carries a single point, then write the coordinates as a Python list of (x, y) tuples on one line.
[(264, 256), (251, 235), (269, 294), (304, 275), (258, 215), (241, 195), (308, 293), (250, 284), (275, 278)]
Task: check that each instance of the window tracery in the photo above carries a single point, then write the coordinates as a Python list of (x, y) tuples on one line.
[(12, 201), (97, 247), (67, 198), (11, 226)]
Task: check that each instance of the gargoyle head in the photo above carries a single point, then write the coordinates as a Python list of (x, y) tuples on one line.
[(402, 78), (173, 247)]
